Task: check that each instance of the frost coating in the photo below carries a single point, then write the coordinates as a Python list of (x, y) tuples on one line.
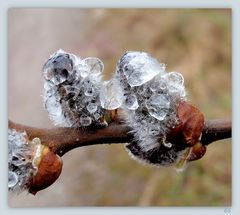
[(72, 90), (157, 94), (20, 157)]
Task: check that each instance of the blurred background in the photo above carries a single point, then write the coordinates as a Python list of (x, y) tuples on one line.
[(194, 42)]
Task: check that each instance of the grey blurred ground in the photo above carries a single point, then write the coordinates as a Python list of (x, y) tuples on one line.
[(196, 43)]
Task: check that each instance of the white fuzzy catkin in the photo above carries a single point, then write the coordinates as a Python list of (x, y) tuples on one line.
[(72, 89), (20, 161), (150, 99)]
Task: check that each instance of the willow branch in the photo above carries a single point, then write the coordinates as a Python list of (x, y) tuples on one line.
[(216, 129), (62, 140)]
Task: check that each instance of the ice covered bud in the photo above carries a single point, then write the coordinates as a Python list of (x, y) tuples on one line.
[(72, 89), (31, 165), (151, 99)]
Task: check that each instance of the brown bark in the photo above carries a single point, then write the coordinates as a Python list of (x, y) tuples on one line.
[(62, 140)]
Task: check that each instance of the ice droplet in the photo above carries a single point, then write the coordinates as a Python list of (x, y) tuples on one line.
[(175, 81), (89, 91), (83, 70), (131, 102), (158, 84), (57, 68), (92, 107), (162, 85), (12, 179), (85, 120), (175, 78), (154, 86), (59, 76), (141, 69), (111, 96), (94, 64), (158, 106), (97, 116)]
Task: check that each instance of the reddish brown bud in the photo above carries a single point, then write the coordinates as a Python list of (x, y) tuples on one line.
[(193, 122), (190, 127), (197, 152), (49, 169)]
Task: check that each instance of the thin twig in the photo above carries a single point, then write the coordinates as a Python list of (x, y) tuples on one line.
[(62, 140), (216, 129)]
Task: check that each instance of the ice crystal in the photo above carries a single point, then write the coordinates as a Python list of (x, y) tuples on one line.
[(85, 120), (111, 96), (131, 102), (158, 106), (92, 107), (72, 89), (140, 68)]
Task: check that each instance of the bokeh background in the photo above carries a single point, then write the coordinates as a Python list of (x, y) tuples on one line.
[(194, 42)]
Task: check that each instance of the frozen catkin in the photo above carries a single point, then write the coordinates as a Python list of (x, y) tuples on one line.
[(72, 89), (22, 160), (150, 97)]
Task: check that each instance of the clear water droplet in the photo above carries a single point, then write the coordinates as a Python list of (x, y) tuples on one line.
[(111, 96), (158, 106), (89, 91), (158, 85), (175, 81), (85, 120), (60, 75), (57, 68), (82, 70), (154, 86), (175, 78), (94, 64), (141, 69), (12, 179), (131, 102), (162, 84), (92, 107), (96, 116)]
